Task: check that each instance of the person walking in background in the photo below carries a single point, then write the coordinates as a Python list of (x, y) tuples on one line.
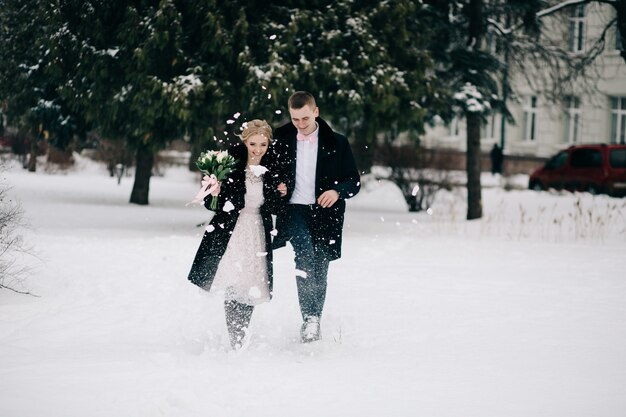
[(235, 256), (317, 173), (496, 159)]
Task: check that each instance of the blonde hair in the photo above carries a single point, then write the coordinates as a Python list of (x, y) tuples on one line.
[(257, 127)]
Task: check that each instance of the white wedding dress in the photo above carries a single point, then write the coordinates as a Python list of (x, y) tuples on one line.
[(242, 272)]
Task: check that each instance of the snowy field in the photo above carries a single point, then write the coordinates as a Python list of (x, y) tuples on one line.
[(520, 314)]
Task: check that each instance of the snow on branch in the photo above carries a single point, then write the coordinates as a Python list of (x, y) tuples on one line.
[(471, 100), (499, 27)]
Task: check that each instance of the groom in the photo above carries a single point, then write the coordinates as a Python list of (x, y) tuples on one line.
[(318, 173)]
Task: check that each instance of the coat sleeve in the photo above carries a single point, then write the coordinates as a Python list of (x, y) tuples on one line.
[(281, 163), (273, 201), (225, 195), (350, 180), (231, 186)]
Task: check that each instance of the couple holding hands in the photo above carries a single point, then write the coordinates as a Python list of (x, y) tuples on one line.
[(311, 172)]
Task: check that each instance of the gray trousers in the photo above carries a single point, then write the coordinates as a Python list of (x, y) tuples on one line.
[(311, 262)]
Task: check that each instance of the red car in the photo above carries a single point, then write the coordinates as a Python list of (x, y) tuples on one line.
[(597, 168)]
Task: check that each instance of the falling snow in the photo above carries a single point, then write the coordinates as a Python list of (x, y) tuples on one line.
[(228, 207)]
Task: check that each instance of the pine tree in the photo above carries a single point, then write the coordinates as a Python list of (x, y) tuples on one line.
[(129, 77), (365, 64), (149, 72), (470, 74), (478, 77), (20, 66), (29, 90)]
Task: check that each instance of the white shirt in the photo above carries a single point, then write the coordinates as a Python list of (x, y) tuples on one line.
[(306, 163)]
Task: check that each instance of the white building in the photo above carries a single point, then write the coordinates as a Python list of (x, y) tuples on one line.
[(542, 128)]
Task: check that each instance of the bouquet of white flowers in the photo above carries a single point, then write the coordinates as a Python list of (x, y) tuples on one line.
[(216, 166)]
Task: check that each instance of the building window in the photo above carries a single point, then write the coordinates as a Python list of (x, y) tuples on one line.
[(489, 127), (576, 37), (618, 120), (572, 119), (530, 118), (455, 128)]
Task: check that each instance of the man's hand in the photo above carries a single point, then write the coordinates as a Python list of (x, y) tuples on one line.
[(328, 198), (282, 189)]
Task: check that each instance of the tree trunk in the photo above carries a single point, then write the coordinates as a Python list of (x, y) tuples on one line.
[(143, 172), (198, 144), (195, 149), (411, 201), (32, 160), (505, 85), (474, 199)]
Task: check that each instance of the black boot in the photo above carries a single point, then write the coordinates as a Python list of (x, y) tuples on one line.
[(310, 331)]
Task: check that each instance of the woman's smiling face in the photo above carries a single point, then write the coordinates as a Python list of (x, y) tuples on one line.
[(257, 147)]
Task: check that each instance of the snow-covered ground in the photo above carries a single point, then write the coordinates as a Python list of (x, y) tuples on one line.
[(522, 313)]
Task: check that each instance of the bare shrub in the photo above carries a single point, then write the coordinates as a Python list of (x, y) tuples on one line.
[(11, 241), (112, 152), (419, 173)]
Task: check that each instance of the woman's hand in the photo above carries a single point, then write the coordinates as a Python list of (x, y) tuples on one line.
[(217, 190)]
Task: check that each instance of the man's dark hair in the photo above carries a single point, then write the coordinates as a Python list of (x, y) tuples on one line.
[(299, 99)]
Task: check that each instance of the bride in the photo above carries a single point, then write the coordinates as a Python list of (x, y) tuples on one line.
[(235, 256)]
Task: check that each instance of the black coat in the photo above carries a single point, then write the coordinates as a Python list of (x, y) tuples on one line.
[(214, 243), (335, 170)]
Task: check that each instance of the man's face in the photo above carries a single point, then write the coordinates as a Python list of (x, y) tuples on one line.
[(304, 119)]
